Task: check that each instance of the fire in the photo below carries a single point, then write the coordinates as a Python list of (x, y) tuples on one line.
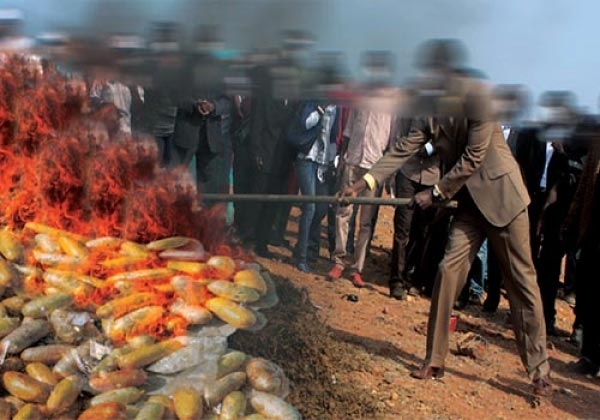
[(63, 166), (64, 171)]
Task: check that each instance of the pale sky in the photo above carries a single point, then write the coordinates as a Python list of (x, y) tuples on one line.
[(544, 44)]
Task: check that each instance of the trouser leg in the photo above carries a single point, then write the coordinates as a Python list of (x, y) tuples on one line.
[(403, 217), (352, 230), (342, 220), (331, 211), (570, 273), (510, 244), (365, 219), (242, 184), (549, 264), (434, 244), (494, 282), (364, 236), (464, 240), (274, 185), (163, 144), (321, 209), (306, 175), (206, 169)]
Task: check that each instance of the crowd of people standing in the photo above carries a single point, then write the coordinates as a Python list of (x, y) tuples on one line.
[(526, 192)]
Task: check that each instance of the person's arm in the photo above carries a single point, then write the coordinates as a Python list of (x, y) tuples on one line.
[(480, 135), (344, 147), (400, 151), (349, 127), (551, 199), (480, 129), (214, 108), (188, 106), (309, 116), (346, 133)]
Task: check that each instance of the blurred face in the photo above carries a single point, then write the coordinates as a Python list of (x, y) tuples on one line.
[(556, 115), (300, 56), (505, 110), (434, 80), (377, 74)]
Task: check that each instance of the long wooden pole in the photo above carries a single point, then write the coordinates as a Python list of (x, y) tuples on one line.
[(299, 199)]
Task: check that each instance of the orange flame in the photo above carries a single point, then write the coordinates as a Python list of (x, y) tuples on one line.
[(61, 166)]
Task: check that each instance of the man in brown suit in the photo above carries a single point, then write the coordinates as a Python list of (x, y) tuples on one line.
[(481, 173)]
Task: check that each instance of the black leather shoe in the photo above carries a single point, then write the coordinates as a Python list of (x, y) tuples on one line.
[(280, 242), (263, 251), (397, 291)]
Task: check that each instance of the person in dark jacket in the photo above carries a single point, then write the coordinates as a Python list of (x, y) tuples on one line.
[(581, 231), (270, 153), (202, 122)]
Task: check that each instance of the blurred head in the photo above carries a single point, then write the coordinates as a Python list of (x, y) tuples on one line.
[(558, 107), (297, 47), (11, 22), (510, 102), (128, 52), (207, 40), (331, 72), (586, 133), (437, 60), (164, 41), (378, 67)]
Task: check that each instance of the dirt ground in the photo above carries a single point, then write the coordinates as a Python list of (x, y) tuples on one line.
[(351, 360)]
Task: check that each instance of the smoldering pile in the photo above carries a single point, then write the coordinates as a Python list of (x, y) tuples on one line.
[(118, 293)]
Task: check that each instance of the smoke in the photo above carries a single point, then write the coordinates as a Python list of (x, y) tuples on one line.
[(544, 45)]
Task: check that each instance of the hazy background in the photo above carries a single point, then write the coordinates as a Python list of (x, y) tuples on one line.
[(545, 44)]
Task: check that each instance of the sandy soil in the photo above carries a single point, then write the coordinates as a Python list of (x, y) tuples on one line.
[(386, 338)]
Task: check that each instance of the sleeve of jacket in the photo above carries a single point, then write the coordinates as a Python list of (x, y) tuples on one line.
[(187, 106), (480, 135), (307, 112), (399, 152), (481, 128), (333, 133)]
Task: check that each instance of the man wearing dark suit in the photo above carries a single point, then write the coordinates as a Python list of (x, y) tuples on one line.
[(481, 173), (203, 120), (420, 172), (200, 133), (529, 150), (550, 170), (271, 154)]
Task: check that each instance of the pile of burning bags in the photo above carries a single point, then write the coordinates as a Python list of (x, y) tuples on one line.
[(106, 328)]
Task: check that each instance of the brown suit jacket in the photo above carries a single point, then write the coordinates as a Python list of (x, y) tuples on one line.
[(472, 152), (424, 171)]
